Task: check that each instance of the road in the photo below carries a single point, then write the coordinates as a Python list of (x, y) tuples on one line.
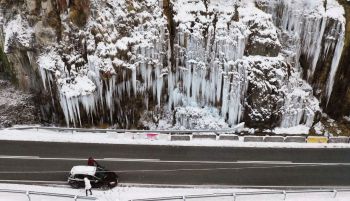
[(50, 162)]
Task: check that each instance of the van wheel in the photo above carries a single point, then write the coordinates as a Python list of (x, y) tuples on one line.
[(105, 187)]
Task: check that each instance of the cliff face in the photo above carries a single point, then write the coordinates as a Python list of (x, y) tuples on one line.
[(179, 64), (339, 102), (26, 28)]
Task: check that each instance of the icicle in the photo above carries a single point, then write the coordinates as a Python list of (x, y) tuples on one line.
[(159, 85), (335, 62), (225, 97), (133, 78), (316, 49), (171, 89)]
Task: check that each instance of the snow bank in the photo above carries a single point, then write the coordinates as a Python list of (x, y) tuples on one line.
[(300, 129)]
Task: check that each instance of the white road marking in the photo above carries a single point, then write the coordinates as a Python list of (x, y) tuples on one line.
[(64, 184), (77, 159), (229, 186), (266, 162), (153, 160), (175, 169), (19, 157), (33, 181), (129, 159), (261, 166), (215, 169)]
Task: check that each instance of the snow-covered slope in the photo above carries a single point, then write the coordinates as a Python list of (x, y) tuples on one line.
[(184, 63)]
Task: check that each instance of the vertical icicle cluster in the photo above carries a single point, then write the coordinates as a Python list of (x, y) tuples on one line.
[(300, 105), (130, 57), (336, 58), (317, 30), (206, 48), (216, 82), (306, 23)]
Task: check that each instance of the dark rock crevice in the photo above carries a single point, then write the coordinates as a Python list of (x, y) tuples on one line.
[(169, 13)]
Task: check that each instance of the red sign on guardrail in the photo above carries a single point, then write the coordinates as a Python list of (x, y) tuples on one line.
[(152, 136)]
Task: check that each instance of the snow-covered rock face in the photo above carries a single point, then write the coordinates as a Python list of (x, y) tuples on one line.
[(191, 61)]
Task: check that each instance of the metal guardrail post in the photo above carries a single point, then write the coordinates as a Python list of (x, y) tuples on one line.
[(237, 194), (28, 196)]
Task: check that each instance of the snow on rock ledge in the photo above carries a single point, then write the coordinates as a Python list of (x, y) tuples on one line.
[(18, 33), (262, 39)]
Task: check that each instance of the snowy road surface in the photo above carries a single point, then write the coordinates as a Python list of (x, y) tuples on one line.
[(49, 162)]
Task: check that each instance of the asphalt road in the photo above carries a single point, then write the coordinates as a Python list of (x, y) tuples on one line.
[(49, 162)]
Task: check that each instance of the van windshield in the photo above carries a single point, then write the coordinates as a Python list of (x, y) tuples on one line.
[(100, 173)]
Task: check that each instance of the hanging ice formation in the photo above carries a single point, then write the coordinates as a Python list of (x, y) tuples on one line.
[(317, 28), (195, 59), (313, 29), (206, 50), (205, 73), (336, 58)]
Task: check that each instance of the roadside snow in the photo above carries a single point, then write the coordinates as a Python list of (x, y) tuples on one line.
[(130, 193), (301, 129), (319, 127), (142, 139)]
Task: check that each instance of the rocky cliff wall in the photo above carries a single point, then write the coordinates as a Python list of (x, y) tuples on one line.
[(179, 64), (339, 102)]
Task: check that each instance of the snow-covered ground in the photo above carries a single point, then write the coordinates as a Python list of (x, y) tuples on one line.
[(130, 193), (142, 139)]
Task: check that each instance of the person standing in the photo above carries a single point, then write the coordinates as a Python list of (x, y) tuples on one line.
[(92, 162), (87, 186)]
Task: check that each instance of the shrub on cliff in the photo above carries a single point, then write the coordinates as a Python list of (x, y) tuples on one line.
[(79, 12), (62, 5), (10, 3)]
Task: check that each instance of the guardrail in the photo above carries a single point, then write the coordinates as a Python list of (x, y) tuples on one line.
[(29, 193), (236, 195), (230, 130), (187, 135)]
